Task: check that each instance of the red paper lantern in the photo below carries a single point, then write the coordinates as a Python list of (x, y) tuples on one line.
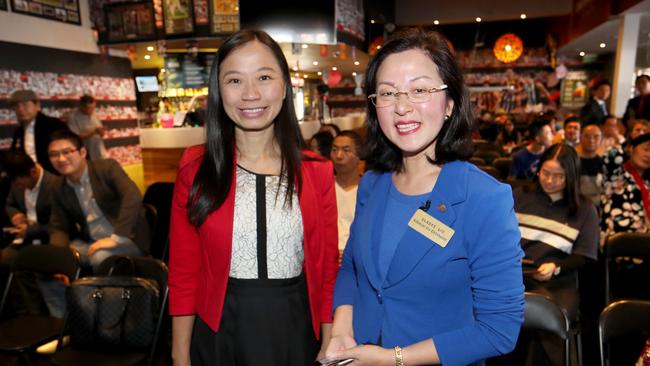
[(508, 48), (334, 78)]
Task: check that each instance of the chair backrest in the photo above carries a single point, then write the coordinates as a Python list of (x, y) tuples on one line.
[(636, 245), (487, 155), (477, 161), (160, 195), (44, 259), (490, 170), (503, 166), (622, 318), (151, 214), (542, 313)]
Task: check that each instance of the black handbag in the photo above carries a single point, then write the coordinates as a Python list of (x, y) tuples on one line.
[(113, 311)]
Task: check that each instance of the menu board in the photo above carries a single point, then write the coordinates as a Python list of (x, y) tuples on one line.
[(129, 21), (66, 11), (225, 16), (178, 16), (188, 71), (574, 89), (201, 12)]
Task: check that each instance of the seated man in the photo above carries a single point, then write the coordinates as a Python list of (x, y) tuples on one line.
[(524, 162), (591, 164), (96, 209), (345, 156), (28, 203)]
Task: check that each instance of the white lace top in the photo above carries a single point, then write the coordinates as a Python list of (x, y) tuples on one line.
[(273, 249)]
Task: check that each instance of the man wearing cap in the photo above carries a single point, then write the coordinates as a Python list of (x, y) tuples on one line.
[(34, 131)]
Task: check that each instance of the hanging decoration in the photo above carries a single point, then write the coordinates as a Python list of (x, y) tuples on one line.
[(508, 48)]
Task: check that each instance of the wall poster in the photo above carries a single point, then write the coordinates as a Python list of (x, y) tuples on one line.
[(130, 21), (179, 17), (66, 11), (225, 16)]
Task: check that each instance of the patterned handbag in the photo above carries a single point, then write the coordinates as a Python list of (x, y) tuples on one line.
[(113, 311)]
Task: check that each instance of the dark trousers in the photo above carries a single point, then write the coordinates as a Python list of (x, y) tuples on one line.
[(264, 322)]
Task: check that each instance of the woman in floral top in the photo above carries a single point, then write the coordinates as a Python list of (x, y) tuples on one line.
[(625, 202)]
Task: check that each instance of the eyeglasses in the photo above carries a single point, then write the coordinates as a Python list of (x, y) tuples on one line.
[(557, 177), (414, 95), (65, 152)]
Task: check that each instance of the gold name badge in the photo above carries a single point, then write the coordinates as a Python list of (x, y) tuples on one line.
[(431, 228)]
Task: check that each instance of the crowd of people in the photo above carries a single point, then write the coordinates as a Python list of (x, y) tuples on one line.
[(381, 246)]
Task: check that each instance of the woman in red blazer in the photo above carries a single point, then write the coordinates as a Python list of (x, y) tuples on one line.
[(253, 226)]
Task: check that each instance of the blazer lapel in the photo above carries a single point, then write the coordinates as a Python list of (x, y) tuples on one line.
[(373, 221), (448, 191)]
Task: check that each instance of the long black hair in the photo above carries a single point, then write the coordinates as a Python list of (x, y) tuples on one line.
[(214, 177), (568, 159), (454, 139)]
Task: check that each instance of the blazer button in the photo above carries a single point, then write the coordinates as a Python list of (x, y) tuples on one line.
[(379, 298)]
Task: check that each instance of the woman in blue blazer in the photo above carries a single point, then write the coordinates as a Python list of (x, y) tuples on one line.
[(432, 270)]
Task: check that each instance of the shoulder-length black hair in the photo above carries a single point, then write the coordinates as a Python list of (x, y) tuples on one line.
[(568, 159), (454, 139), (214, 177)]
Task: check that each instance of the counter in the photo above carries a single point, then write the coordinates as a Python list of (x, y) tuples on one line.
[(162, 148)]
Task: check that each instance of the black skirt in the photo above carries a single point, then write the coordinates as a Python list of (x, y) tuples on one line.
[(264, 322)]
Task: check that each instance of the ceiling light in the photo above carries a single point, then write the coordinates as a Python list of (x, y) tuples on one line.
[(334, 68), (356, 63), (295, 68), (305, 76), (147, 57), (305, 45), (354, 73), (603, 45), (436, 22), (508, 48), (523, 16), (149, 48), (315, 63), (372, 21), (582, 53), (319, 73), (478, 19), (378, 47)]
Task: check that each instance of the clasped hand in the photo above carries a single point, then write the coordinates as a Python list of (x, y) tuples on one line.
[(344, 347)]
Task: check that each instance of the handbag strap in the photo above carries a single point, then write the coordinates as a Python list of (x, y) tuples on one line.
[(122, 259)]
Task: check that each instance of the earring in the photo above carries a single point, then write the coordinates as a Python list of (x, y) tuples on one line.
[(447, 117)]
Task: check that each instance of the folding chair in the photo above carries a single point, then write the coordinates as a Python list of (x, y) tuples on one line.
[(634, 245), (151, 268), (621, 319), (23, 334), (543, 314)]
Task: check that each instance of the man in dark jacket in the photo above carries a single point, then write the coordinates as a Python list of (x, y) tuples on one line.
[(595, 111), (34, 131)]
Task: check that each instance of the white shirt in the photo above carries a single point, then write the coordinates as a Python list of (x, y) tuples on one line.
[(346, 201), (31, 196), (29, 141)]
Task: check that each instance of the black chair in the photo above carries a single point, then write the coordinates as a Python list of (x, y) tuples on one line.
[(145, 267), (488, 155), (543, 314), (477, 161), (23, 334), (151, 214), (621, 319), (160, 196), (490, 170), (503, 166), (633, 245)]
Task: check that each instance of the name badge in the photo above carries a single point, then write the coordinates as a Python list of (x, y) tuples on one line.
[(431, 228)]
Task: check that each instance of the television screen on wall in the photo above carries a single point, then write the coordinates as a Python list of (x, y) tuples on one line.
[(290, 20), (146, 83)]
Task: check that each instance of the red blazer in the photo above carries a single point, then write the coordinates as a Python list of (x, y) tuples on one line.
[(200, 258)]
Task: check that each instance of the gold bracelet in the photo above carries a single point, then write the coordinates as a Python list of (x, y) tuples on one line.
[(399, 361)]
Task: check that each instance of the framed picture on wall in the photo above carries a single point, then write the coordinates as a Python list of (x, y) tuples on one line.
[(129, 22), (224, 16), (66, 11), (179, 16)]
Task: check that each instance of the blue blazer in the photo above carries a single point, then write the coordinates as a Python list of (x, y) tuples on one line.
[(468, 296)]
